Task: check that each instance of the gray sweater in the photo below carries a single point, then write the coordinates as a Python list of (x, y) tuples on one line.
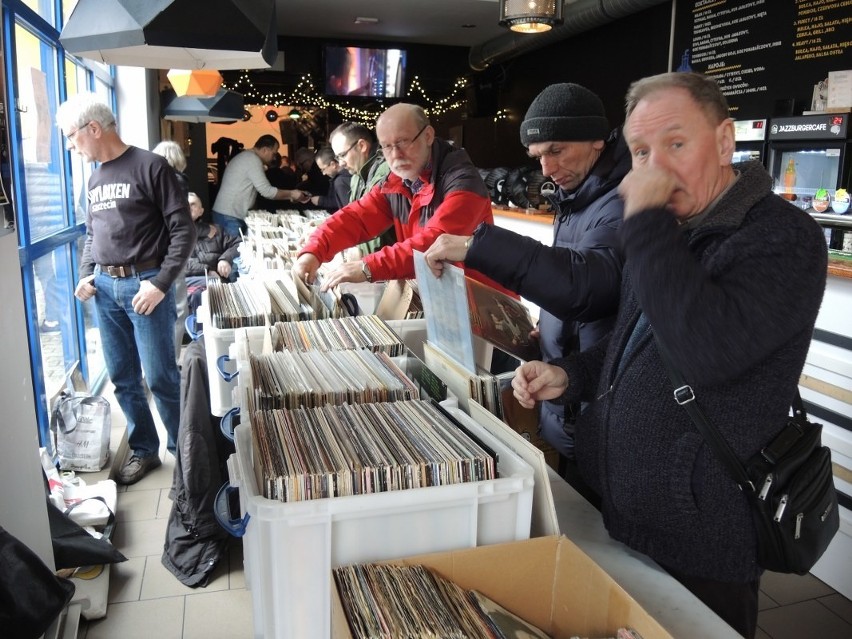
[(735, 300)]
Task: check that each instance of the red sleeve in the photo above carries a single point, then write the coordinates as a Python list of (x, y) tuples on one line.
[(460, 213), (356, 222)]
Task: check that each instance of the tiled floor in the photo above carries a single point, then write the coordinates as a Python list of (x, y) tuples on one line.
[(146, 600)]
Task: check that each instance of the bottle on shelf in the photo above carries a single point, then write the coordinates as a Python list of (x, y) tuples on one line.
[(789, 180)]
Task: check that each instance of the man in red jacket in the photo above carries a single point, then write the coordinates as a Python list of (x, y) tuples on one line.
[(433, 188)]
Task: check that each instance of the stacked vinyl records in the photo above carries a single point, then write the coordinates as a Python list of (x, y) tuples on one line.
[(335, 451)]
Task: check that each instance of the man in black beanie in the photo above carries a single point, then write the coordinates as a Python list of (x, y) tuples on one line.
[(576, 281)]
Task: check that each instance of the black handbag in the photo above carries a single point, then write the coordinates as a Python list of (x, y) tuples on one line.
[(74, 547), (789, 484), (31, 596)]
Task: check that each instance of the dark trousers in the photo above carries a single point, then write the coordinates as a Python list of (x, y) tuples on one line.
[(735, 603)]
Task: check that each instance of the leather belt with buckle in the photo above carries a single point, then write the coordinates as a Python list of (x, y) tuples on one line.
[(128, 270)]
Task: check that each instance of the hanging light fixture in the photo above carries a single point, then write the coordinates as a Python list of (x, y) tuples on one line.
[(295, 114), (167, 34), (530, 16), (224, 107), (200, 82)]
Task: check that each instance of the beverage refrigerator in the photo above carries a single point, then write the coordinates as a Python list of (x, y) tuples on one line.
[(750, 137), (810, 158)]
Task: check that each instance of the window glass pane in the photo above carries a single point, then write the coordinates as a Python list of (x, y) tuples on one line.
[(41, 141), (54, 306), (94, 356), (67, 8), (76, 81), (44, 8)]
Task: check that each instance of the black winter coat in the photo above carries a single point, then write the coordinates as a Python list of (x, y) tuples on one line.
[(195, 542), (735, 300), (338, 192), (209, 250)]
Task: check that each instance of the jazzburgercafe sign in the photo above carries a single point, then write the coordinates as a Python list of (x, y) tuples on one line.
[(817, 127)]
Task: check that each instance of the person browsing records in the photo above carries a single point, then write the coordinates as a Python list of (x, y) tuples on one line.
[(339, 180), (575, 282), (356, 148), (729, 277), (433, 188), (243, 179)]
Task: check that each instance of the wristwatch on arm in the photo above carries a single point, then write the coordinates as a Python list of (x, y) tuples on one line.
[(366, 271)]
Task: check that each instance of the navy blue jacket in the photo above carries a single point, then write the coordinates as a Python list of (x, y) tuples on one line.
[(576, 285)]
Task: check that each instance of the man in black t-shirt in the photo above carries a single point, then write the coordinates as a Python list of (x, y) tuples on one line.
[(138, 236)]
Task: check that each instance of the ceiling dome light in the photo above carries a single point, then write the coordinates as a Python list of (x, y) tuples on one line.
[(530, 16), (295, 114)]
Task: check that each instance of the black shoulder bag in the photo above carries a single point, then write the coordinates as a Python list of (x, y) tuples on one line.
[(789, 484)]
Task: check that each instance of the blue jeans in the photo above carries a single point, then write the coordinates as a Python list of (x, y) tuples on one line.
[(230, 224), (133, 343)]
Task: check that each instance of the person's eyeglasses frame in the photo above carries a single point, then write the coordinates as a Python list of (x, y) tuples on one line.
[(402, 145), (70, 137), (340, 156)]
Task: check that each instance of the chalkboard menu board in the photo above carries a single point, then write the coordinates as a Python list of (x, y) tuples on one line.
[(766, 54)]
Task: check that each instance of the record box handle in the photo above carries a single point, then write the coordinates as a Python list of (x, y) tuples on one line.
[(220, 366), (191, 324), (228, 502), (227, 424)]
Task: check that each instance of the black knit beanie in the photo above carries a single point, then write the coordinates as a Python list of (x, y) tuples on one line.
[(564, 112)]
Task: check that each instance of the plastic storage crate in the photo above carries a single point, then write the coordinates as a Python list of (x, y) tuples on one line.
[(251, 341), (290, 548), (217, 342), (224, 356)]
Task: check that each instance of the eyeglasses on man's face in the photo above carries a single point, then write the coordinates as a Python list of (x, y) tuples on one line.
[(401, 145), (70, 136), (327, 168), (340, 156)]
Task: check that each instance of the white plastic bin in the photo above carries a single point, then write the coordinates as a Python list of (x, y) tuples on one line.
[(290, 548), (217, 343)]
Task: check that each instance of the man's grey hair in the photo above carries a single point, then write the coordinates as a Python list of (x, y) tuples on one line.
[(703, 89), (82, 108)]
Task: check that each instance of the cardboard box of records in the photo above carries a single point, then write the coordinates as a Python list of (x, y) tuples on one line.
[(547, 581)]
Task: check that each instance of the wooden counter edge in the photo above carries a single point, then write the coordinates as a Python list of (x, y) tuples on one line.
[(541, 217), (840, 268)]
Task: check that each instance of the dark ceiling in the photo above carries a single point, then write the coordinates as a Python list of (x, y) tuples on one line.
[(442, 22)]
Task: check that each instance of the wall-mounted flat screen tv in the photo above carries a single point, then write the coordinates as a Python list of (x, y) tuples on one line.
[(377, 72)]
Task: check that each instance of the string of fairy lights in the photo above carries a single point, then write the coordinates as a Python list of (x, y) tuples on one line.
[(305, 94)]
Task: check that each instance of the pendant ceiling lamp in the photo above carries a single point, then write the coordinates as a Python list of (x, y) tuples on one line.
[(198, 82), (225, 106), (530, 16), (174, 34)]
